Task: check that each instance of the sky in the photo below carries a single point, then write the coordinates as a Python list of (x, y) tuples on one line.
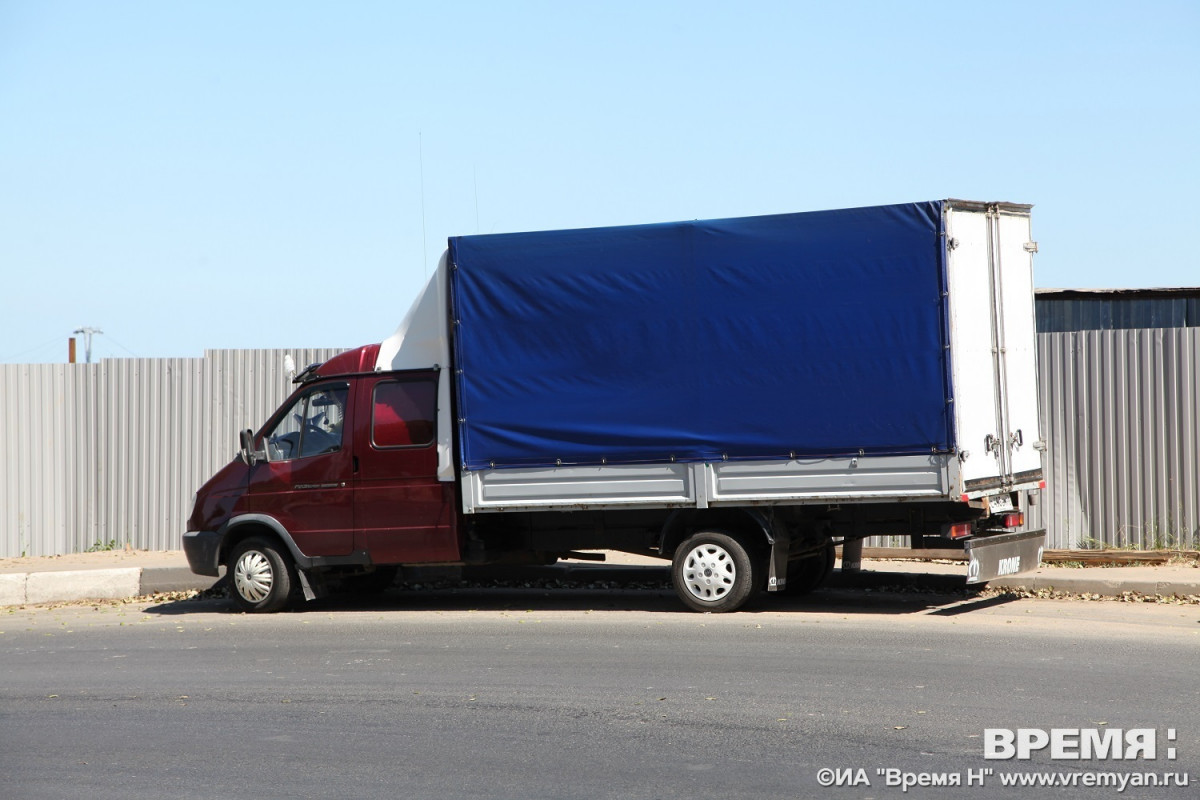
[(198, 175)]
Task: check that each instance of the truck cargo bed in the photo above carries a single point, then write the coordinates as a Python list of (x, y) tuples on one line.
[(871, 354)]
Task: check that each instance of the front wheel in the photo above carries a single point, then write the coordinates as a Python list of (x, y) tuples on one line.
[(715, 572), (263, 577)]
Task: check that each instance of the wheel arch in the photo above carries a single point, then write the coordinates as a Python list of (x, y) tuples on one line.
[(750, 523), (243, 526)]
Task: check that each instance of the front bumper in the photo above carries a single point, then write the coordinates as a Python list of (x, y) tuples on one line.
[(202, 549)]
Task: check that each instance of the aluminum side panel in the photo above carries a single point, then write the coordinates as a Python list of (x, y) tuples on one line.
[(616, 486), (876, 478), (699, 485)]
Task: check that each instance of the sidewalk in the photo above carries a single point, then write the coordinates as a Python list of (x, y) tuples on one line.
[(120, 574)]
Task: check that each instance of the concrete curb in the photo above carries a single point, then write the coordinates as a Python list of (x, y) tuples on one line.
[(1083, 583), (928, 581), (94, 584), (1071, 582), (574, 573), (33, 588), (173, 579), (1086, 584), (69, 586)]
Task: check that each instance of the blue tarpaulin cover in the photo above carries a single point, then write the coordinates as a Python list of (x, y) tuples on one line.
[(813, 334)]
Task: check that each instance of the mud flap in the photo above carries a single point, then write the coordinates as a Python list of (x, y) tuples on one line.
[(778, 563), (1005, 554), (313, 588)]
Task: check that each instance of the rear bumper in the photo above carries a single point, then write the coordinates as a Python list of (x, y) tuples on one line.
[(202, 549)]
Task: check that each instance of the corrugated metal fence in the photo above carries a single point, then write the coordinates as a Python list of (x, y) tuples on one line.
[(1120, 415), (111, 452)]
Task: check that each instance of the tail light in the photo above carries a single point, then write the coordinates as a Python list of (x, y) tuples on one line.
[(961, 530), (1014, 519)]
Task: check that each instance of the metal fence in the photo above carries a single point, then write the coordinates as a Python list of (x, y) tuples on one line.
[(111, 453), (1121, 419)]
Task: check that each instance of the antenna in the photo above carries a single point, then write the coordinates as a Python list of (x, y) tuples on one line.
[(87, 341), (424, 247)]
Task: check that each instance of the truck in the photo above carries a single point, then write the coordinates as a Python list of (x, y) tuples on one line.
[(735, 396)]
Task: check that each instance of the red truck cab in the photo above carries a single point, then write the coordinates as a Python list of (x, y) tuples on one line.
[(341, 481)]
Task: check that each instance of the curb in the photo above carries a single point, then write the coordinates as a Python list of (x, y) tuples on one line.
[(1099, 586), (32, 588), (69, 586), (935, 582), (575, 573), (1069, 584)]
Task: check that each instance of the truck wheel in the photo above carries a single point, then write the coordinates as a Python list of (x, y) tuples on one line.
[(714, 572), (263, 576), (809, 573)]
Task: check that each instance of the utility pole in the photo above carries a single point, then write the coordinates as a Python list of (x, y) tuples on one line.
[(87, 341)]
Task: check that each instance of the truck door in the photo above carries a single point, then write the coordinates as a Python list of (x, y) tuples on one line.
[(1014, 248), (403, 513), (993, 346), (305, 483)]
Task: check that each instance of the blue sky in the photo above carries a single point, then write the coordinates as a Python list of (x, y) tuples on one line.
[(192, 175)]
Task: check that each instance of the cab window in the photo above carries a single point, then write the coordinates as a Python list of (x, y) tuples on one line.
[(312, 426), (403, 412)]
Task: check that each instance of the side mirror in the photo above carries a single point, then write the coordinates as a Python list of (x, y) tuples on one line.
[(247, 452)]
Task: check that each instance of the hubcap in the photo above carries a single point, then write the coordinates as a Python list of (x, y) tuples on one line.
[(709, 572), (252, 576)]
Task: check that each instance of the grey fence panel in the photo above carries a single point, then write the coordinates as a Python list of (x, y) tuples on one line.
[(110, 453), (1120, 415), (31, 518), (1120, 410)]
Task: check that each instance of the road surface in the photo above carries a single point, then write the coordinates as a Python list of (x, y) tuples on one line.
[(584, 694)]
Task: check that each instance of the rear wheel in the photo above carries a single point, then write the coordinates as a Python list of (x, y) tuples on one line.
[(715, 572), (809, 573), (262, 576)]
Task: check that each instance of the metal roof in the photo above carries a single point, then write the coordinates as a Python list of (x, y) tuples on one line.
[(1062, 310)]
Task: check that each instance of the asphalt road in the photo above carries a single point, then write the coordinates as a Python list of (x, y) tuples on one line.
[(578, 694)]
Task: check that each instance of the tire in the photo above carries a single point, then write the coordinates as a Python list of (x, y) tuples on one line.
[(810, 573), (715, 572), (262, 576)]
